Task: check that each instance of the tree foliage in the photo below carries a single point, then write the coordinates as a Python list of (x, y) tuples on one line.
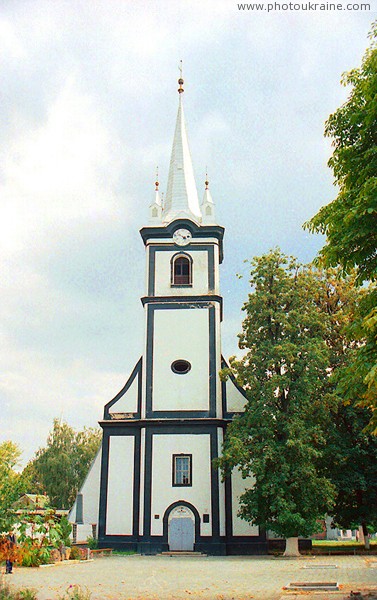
[(11, 484), (350, 454), (280, 437), (350, 462), (350, 221), (59, 469)]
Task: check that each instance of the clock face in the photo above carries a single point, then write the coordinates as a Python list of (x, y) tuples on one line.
[(182, 237)]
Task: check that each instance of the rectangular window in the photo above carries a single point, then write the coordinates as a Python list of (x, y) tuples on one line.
[(182, 470), (79, 509)]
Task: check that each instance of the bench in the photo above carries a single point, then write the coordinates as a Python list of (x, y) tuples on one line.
[(102, 551)]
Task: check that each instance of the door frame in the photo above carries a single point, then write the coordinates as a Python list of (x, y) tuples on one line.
[(196, 519)]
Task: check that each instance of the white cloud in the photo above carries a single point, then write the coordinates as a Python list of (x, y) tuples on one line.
[(63, 170), (41, 391), (88, 110), (10, 44)]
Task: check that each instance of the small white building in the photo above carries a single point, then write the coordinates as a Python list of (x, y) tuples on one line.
[(153, 486)]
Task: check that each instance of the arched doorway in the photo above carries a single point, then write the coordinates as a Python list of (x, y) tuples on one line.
[(181, 529)]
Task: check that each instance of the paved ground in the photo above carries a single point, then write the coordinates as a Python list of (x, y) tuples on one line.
[(203, 578)]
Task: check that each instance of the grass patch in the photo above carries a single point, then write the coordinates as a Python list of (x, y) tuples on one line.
[(340, 543), (9, 593), (123, 552)]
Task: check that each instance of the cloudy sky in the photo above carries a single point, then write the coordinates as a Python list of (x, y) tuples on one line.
[(88, 107)]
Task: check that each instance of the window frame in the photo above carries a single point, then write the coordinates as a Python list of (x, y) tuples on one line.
[(180, 360), (174, 472), (172, 274)]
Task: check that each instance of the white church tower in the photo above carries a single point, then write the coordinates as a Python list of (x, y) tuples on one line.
[(153, 486)]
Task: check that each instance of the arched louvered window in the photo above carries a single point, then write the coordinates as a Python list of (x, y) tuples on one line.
[(181, 270)]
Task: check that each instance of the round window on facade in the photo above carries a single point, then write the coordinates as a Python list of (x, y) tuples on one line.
[(181, 367)]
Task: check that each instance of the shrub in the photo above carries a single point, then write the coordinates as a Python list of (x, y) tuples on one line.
[(75, 553), (34, 555), (65, 531), (92, 543)]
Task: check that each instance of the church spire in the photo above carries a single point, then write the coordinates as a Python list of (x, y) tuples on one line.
[(181, 197)]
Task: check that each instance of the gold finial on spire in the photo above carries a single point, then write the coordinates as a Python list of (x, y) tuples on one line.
[(157, 183), (180, 80), (206, 181)]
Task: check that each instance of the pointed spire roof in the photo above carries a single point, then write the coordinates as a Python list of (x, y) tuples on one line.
[(181, 199), (207, 198), (208, 206), (157, 193)]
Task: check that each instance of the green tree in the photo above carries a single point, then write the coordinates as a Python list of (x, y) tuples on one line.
[(350, 221), (11, 484), (350, 453), (350, 463), (59, 469), (279, 438)]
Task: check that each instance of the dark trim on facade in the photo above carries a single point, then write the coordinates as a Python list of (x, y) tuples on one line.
[(197, 231), (212, 374), (209, 248), (151, 544), (210, 299), (109, 432), (228, 507), (123, 426), (137, 372), (148, 482), (136, 490), (103, 486), (215, 490), (169, 429)]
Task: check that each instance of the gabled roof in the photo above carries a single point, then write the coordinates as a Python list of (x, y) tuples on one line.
[(32, 501)]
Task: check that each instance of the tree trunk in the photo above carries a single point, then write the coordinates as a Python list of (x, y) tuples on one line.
[(366, 536), (291, 547), (361, 535)]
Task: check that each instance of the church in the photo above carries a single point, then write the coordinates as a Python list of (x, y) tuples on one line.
[(153, 486)]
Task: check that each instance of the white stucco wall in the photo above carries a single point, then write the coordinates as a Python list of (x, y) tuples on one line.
[(128, 402), (181, 334), (119, 512), (218, 358), (239, 485), (90, 490), (163, 492), (163, 273), (235, 401)]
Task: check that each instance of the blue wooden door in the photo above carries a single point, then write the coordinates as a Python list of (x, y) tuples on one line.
[(181, 534)]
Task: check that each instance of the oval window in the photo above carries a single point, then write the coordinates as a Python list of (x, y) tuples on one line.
[(181, 367)]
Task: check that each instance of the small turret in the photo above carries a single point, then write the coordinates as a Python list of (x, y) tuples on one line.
[(207, 206), (155, 209)]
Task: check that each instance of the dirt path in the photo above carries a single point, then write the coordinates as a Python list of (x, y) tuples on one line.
[(203, 578)]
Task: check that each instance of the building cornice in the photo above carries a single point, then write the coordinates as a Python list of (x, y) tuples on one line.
[(197, 231)]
